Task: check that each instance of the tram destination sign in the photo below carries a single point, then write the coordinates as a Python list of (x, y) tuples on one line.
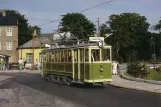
[(96, 39)]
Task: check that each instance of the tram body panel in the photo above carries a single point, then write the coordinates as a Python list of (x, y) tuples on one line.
[(93, 72)]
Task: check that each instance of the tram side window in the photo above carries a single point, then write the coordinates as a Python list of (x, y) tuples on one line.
[(53, 57), (62, 56), (82, 55), (65, 55), (58, 56), (86, 55), (76, 55), (50, 57), (95, 54), (69, 56), (105, 54)]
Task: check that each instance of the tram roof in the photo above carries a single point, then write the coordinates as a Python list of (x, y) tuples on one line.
[(76, 46)]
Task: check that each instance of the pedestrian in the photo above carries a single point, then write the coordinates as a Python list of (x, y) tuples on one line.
[(3, 65), (24, 63), (118, 66), (37, 64), (20, 64), (114, 65)]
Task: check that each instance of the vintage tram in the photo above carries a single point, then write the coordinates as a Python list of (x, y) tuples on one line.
[(79, 63)]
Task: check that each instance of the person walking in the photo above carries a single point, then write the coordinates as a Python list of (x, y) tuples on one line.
[(24, 63), (114, 68), (20, 64), (3, 65), (37, 64)]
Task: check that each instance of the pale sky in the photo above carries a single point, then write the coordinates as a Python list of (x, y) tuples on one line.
[(39, 12)]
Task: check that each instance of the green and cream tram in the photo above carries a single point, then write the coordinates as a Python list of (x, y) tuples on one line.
[(80, 63)]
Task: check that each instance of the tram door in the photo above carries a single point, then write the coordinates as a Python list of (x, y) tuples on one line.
[(79, 64), (83, 55)]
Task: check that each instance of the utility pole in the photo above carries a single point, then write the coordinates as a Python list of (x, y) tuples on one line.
[(33, 36), (154, 54), (98, 27)]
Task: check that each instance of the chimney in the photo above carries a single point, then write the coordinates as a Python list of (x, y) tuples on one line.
[(4, 12), (55, 32)]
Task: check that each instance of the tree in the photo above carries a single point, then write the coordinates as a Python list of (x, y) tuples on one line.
[(38, 30), (104, 29), (158, 26), (129, 30), (77, 24), (24, 29)]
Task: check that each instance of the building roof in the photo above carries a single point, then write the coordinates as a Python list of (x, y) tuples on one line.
[(46, 37), (8, 20)]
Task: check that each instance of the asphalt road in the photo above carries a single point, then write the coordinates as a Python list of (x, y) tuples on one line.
[(80, 95)]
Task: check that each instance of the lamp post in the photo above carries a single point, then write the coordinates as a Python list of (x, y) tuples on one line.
[(33, 35)]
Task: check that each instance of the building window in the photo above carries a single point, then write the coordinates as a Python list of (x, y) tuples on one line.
[(0, 46), (9, 31), (8, 45), (29, 57)]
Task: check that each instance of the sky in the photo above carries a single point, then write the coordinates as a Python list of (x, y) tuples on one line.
[(41, 12)]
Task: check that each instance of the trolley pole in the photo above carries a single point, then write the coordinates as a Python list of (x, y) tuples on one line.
[(34, 34), (98, 27)]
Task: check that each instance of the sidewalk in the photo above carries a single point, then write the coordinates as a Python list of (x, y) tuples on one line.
[(120, 82), (18, 71)]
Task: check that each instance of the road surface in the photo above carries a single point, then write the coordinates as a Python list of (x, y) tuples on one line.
[(30, 90)]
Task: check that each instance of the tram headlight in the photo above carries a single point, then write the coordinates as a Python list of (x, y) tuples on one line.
[(101, 69)]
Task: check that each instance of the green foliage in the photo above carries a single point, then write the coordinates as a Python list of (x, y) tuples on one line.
[(153, 75), (137, 70), (104, 29), (158, 69), (78, 25), (158, 26), (118, 58), (131, 38)]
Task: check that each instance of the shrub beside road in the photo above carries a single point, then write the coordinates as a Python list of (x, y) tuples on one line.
[(138, 70)]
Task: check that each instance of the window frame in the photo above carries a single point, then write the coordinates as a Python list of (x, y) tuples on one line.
[(30, 57), (9, 31), (8, 45)]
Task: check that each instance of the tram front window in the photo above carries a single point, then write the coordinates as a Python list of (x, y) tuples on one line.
[(95, 55), (105, 54)]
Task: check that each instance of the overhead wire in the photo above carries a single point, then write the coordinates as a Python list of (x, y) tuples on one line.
[(79, 12)]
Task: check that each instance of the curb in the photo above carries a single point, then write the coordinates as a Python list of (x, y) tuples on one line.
[(140, 80), (1, 82), (119, 86)]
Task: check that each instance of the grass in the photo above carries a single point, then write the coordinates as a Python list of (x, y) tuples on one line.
[(126, 74), (152, 75)]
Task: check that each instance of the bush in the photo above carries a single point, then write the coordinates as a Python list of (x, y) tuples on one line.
[(158, 69), (137, 70), (153, 75)]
